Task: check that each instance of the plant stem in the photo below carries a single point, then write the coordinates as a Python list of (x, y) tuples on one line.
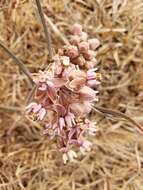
[(115, 113), (19, 63), (46, 31)]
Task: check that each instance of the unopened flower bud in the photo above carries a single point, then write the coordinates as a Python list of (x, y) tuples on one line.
[(71, 52), (89, 55), (75, 40), (65, 60), (76, 29), (83, 47), (94, 43), (79, 61), (83, 36), (91, 64)]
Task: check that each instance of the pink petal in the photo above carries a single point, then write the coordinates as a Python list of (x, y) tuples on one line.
[(43, 87), (37, 108), (72, 52), (65, 60), (83, 36), (93, 83), (89, 55), (75, 40), (42, 113), (94, 43), (77, 83), (60, 109), (81, 108), (87, 94), (76, 29), (83, 47), (61, 123), (31, 106)]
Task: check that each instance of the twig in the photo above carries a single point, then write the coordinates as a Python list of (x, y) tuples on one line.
[(115, 113), (30, 95), (56, 30), (19, 63), (11, 108), (47, 35)]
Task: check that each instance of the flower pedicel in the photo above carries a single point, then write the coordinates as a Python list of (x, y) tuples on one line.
[(69, 89)]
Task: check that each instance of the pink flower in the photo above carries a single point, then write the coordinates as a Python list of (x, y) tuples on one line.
[(83, 36), (76, 29), (69, 156), (42, 87), (57, 67), (71, 52), (79, 61), (89, 55), (87, 94), (91, 127), (83, 47), (61, 123), (65, 61), (92, 78), (41, 114), (36, 109), (86, 146), (42, 77), (81, 108), (91, 64), (75, 40), (30, 107), (94, 43), (70, 119)]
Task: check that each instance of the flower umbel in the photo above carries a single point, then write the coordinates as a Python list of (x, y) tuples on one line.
[(68, 90)]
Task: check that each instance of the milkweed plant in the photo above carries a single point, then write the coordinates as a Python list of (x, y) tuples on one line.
[(67, 92)]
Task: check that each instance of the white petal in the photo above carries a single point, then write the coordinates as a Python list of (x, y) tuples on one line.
[(65, 158)]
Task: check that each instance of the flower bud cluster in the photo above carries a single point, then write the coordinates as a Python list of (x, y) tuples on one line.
[(68, 91)]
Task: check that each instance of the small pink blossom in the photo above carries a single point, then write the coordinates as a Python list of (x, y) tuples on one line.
[(89, 55), (83, 47), (42, 87), (61, 123), (91, 127), (85, 147), (70, 119), (71, 52), (41, 114), (69, 156), (94, 43), (92, 78), (75, 40), (91, 64), (65, 60), (87, 94), (76, 29), (83, 36), (31, 106), (79, 61), (36, 109)]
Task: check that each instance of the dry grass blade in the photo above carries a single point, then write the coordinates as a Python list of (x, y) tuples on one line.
[(18, 62), (115, 113), (47, 35)]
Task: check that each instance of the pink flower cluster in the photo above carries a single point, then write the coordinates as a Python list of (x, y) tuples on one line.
[(67, 91)]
